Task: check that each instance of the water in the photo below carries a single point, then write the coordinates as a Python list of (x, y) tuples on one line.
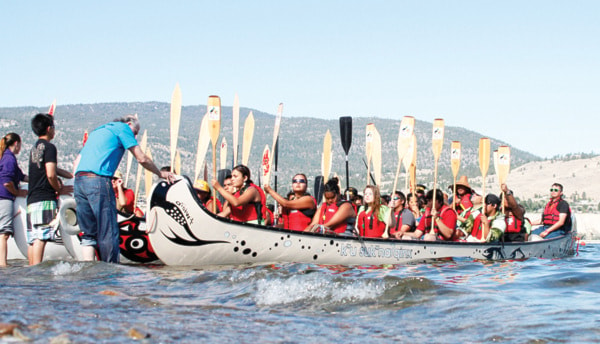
[(460, 301)]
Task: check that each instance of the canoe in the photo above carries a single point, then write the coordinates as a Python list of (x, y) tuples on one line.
[(183, 232)]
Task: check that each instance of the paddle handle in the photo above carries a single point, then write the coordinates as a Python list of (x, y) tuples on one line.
[(347, 175)]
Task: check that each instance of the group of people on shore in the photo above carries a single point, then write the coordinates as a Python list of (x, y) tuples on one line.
[(421, 215), (99, 193)]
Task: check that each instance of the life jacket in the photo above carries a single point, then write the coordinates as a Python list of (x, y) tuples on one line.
[(551, 213), (219, 205), (327, 212), (249, 211), (369, 225), (398, 225), (477, 231), (426, 218), (465, 202), (298, 220), (514, 225)]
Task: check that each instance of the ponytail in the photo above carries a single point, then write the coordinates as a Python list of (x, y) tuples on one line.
[(8, 141)]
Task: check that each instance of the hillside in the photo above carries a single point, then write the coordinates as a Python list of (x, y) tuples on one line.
[(300, 139)]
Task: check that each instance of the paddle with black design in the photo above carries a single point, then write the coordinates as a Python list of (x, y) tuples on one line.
[(437, 142), (369, 149), (484, 161), (455, 165), (214, 128), (503, 168), (235, 128), (346, 136), (376, 155), (203, 142)]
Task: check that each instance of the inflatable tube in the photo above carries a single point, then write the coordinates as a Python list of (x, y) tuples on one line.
[(67, 216)]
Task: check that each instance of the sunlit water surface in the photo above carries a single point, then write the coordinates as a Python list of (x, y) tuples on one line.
[(459, 301)]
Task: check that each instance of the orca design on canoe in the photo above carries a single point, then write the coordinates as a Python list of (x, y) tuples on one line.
[(183, 232)]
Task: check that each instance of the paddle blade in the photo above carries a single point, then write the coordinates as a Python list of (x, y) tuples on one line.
[(411, 152), (138, 174), (223, 154), (214, 118), (248, 135), (148, 176), (407, 126), (346, 133), (437, 137), (265, 166), (455, 150), (84, 139), (175, 119), (376, 155), (484, 156), (236, 127), (203, 142), (369, 142), (275, 136), (177, 167), (128, 169), (326, 157), (52, 108), (318, 189), (503, 163)]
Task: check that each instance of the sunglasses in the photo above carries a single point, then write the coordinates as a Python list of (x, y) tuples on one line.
[(554, 190), (300, 181), (396, 198)]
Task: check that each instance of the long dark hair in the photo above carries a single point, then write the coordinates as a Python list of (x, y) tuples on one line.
[(245, 171), (8, 141), (332, 185)]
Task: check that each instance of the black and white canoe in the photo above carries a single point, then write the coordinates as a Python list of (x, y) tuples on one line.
[(183, 232)]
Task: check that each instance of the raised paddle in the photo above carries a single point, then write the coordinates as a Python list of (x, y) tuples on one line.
[(409, 159), (175, 119), (138, 174), (437, 142), (265, 166), (455, 164), (503, 167), (275, 135), (248, 135), (214, 128), (148, 177), (318, 189), (369, 148), (177, 166), (223, 154), (129, 162), (376, 155), (405, 133), (326, 157), (484, 160), (52, 108), (203, 142), (346, 136), (236, 128), (369, 174)]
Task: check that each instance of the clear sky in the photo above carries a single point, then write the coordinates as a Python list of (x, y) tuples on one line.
[(526, 72)]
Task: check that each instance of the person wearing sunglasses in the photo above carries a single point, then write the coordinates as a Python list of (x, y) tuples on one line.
[(403, 219), (299, 209), (556, 218), (488, 224)]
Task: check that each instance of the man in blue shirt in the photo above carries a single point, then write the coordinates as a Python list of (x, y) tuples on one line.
[(96, 204)]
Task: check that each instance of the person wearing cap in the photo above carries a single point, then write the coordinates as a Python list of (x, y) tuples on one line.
[(96, 200), (489, 224), (204, 195), (441, 215), (556, 218), (420, 190)]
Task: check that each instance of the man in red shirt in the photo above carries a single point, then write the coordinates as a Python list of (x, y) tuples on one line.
[(442, 215)]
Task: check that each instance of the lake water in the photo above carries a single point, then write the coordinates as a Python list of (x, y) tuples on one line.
[(459, 301)]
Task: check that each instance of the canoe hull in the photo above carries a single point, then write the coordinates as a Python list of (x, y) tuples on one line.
[(183, 233)]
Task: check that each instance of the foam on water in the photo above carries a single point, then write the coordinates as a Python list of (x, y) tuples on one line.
[(66, 268)]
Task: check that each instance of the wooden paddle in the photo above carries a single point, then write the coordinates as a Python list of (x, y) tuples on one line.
[(128, 169), (409, 158), (503, 167), (236, 128), (437, 142), (175, 119), (52, 108), (484, 160), (203, 142), (177, 166), (455, 164), (148, 179), (369, 148), (138, 175), (376, 156), (275, 135), (405, 134), (326, 157), (265, 166), (223, 154), (248, 135), (346, 136), (214, 128)]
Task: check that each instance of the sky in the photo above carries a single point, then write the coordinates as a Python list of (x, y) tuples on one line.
[(525, 72)]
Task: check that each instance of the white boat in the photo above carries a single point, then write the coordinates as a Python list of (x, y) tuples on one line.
[(183, 232)]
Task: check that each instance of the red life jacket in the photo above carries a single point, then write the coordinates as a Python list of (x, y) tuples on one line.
[(398, 216), (427, 222), (465, 202), (477, 231), (327, 212), (551, 213), (514, 225), (369, 225), (298, 220), (249, 211)]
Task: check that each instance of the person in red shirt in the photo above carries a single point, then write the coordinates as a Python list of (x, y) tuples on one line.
[(300, 209), (443, 217), (125, 197), (203, 193), (335, 214), (373, 217)]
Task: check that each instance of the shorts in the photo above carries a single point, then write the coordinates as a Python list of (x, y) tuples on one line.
[(39, 216), (6, 217)]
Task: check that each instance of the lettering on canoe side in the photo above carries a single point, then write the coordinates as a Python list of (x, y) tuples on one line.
[(375, 252)]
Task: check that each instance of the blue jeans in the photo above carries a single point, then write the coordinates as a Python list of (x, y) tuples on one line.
[(97, 215), (552, 234)]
